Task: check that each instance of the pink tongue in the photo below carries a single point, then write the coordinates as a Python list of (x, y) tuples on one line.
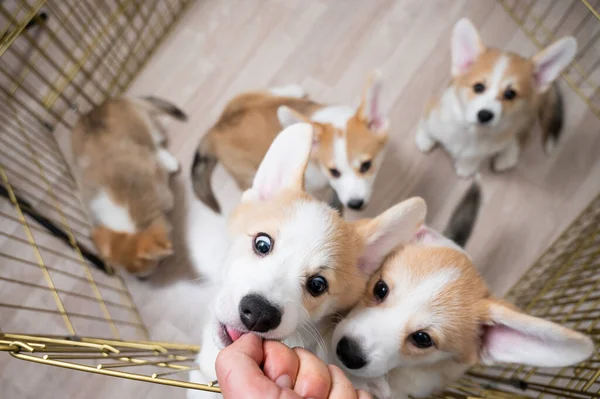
[(234, 334)]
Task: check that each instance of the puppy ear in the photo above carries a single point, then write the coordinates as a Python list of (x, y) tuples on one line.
[(433, 238), (466, 46), (551, 61), (288, 116), (386, 232), (370, 111), (515, 337), (284, 165)]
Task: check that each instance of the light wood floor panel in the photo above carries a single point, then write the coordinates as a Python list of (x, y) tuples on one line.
[(329, 46)]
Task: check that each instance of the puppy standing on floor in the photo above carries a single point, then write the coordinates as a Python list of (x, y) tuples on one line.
[(347, 151), (294, 262), (491, 104), (123, 168), (427, 316)]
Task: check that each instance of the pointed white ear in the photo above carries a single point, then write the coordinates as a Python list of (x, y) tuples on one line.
[(433, 238), (551, 61), (284, 165), (466, 46), (386, 232), (370, 110), (515, 337)]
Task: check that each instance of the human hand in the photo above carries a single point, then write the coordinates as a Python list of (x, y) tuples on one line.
[(286, 373)]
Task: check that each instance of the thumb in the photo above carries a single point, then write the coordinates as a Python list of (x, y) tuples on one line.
[(239, 373)]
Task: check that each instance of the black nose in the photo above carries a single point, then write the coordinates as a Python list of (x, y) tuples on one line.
[(485, 116), (355, 204), (349, 352), (258, 314)]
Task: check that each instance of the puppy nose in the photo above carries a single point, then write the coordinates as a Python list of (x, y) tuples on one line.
[(485, 116), (349, 352), (355, 204), (258, 314)]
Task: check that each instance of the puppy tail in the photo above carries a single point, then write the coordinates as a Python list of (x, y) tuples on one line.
[(203, 167), (159, 106), (464, 215), (551, 116)]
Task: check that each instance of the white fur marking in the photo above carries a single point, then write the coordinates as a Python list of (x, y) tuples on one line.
[(110, 214), (167, 160)]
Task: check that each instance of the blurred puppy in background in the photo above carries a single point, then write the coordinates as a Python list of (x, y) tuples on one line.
[(347, 151), (492, 102), (122, 169)]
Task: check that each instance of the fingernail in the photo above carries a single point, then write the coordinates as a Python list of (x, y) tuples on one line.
[(284, 382)]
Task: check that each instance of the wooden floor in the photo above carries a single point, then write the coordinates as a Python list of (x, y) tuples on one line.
[(329, 46)]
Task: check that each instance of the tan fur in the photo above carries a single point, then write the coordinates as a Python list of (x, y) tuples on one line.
[(242, 135), (114, 148), (138, 253)]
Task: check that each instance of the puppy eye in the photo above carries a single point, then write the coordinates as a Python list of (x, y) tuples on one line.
[(365, 166), (317, 285), (510, 94), (335, 173), (380, 290), (263, 244), (478, 88), (421, 339)]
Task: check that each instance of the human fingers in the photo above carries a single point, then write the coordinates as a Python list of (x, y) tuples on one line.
[(363, 394), (280, 364), (341, 387), (313, 379), (239, 373)]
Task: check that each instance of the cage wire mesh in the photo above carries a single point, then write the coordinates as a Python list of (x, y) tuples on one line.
[(545, 21), (58, 58)]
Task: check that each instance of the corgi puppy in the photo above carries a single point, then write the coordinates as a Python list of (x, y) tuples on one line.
[(347, 152), (294, 262), (427, 316), (491, 103), (122, 168)]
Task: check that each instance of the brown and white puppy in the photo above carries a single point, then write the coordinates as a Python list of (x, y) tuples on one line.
[(427, 316), (293, 261), (123, 168), (493, 100), (347, 152)]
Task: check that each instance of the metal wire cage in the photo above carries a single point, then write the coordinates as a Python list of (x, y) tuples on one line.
[(59, 58), (60, 305)]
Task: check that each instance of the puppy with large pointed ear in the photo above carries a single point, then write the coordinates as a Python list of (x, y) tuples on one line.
[(427, 316), (494, 98)]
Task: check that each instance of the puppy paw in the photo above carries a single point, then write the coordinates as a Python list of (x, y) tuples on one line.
[(168, 161), (504, 163), (423, 141)]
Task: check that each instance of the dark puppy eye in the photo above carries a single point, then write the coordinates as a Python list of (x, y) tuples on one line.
[(365, 166), (478, 88), (335, 173), (421, 339), (317, 285), (510, 94), (263, 244), (380, 290)]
